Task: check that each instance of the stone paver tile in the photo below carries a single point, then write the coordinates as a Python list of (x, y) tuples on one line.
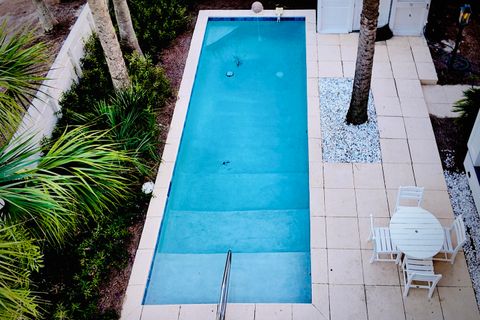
[(330, 69), (348, 52), (312, 55), (342, 233), (458, 303), (382, 70), (383, 300), (338, 175), (442, 110), (364, 227), (455, 92), (429, 176), (316, 174), (319, 266), (318, 237), (398, 174), (372, 201), (400, 41), (438, 203), (328, 39), (306, 312), (239, 311), (328, 53), (349, 39), (427, 73), (419, 307), (167, 312), (454, 275), (340, 203), (387, 106), (273, 311), (424, 151), (404, 70), (347, 303), (344, 267), (419, 128), (132, 302), (348, 69), (379, 273), (391, 127), (320, 298), (312, 87), (368, 176), (197, 312), (141, 266), (317, 202), (384, 88), (434, 94), (409, 88), (414, 107), (421, 54), (381, 53), (400, 53), (395, 151), (417, 41), (392, 200), (313, 106), (314, 149)]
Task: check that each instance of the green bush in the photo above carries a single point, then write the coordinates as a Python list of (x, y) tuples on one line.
[(467, 109), (157, 22)]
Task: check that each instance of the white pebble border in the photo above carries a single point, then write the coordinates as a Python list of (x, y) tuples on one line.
[(341, 142), (463, 203)]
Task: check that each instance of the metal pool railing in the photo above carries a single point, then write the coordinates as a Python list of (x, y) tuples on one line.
[(222, 302)]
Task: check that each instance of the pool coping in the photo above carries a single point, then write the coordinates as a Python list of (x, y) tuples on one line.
[(132, 307)]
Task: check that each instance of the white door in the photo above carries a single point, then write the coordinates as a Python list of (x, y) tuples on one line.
[(383, 10), (409, 17), (335, 16)]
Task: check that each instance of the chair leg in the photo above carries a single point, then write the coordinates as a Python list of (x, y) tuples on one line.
[(374, 254)]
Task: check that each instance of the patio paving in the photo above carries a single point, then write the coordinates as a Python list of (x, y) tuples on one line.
[(404, 89)]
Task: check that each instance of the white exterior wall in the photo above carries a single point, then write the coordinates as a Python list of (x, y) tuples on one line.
[(472, 160), (40, 119)]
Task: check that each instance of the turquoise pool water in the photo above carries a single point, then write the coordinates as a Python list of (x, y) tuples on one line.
[(241, 175)]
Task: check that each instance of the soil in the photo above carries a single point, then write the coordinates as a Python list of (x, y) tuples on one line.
[(441, 33)]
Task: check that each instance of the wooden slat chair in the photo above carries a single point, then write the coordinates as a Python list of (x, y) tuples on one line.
[(419, 273), (409, 196), (455, 238), (383, 248)]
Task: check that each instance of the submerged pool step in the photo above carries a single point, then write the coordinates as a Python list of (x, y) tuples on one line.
[(235, 192), (255, 278), (241, 231)]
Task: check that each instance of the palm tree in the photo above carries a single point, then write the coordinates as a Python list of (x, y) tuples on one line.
[(125, 26), (19, 256), (357, 113), (111, 47), (20, 65), (47, 19)]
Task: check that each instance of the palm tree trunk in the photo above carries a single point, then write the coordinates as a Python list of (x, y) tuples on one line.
[(111, 46), (357, 113), (46, 17), (128, 38)]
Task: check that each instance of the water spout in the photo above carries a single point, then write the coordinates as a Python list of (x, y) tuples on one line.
[(279, 13)]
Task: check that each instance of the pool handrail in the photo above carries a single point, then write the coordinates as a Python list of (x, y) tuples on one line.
[(222, 302)]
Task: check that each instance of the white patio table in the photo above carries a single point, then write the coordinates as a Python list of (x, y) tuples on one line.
[(416, 232)]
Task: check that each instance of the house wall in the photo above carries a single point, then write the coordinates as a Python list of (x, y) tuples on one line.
[(472, 160), (41, 117)]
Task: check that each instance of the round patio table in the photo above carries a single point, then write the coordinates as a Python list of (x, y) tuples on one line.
[(416, 232)]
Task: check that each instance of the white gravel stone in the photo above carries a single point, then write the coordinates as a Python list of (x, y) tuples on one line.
[(342, 142), (463, 203)]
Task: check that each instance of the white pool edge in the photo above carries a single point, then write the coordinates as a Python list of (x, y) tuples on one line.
[(132, 308)]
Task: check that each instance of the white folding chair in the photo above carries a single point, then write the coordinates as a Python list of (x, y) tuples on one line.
[(455, 238), (416, 272), (409, 196), (383, 248)]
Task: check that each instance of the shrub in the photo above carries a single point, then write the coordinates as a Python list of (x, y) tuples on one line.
[(467, 108), (166, 18)]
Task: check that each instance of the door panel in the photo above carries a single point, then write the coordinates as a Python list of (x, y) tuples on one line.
[(409, 17), (335, 16)]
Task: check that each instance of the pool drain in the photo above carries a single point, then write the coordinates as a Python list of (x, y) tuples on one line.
[(229, 74)]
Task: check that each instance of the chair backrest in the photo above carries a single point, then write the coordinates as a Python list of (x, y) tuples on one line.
[(409, 196), (458, 227)]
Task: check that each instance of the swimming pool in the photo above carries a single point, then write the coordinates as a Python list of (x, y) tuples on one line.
[(241, 174)]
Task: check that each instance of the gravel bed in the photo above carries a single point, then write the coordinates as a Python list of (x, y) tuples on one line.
[(342, 142), (462, 202)]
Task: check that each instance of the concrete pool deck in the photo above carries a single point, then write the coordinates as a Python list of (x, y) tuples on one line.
[(342, 195)]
